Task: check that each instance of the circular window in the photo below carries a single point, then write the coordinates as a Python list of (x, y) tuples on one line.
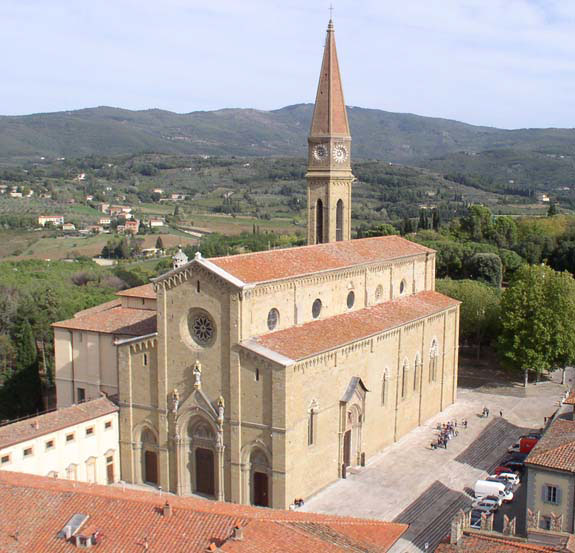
[(379, 292), (316, 308), (202, 327), (273, 318), (350, 299), (402, 287)]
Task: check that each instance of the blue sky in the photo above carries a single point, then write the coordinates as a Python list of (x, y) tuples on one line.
[(505, 63)]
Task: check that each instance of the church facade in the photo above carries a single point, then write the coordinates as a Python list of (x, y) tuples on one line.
[(268, 375)]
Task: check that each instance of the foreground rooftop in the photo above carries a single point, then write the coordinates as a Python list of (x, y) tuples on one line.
[(35, 509)]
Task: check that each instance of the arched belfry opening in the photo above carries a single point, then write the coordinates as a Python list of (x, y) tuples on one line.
[(339, 221), (319, 222)]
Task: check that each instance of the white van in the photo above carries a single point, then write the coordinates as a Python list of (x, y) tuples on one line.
[(484, 488)]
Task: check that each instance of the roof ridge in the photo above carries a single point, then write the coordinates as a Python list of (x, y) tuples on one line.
[(324, 245)]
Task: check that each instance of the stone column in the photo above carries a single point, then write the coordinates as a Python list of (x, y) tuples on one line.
[(220, 448)]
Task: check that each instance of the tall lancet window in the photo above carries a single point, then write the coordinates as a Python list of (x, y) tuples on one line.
[(319, 222), (339, 221)]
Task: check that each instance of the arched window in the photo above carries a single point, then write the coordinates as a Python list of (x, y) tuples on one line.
[(433, 355), (312, 423), (404, 378), (384, 388), (339, 220), (416, 370), (319, 222)]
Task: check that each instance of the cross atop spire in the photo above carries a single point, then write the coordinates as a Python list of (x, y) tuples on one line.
[(329, 115), (331, 8)]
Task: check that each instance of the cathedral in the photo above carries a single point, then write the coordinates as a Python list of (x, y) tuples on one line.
[(263, 377)]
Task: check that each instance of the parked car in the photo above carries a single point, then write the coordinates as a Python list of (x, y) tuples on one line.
[(515, 448), (526, 444), (533, 434), (511, 465), (510, 477), (484, 488), (485, 505), (475, 519), (494, 478)]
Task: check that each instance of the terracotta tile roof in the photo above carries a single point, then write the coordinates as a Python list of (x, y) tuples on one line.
[(33, 427), (570, 398), (119, 320), (316, 337), (145, 291), (35, 509), (291, 262), (556, 449), (480, 543), (98, 308)]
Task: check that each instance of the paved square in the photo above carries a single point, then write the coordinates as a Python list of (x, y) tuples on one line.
[(410, 482)]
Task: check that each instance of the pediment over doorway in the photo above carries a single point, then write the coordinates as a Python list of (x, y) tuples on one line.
[(198, 400), (355, 389)]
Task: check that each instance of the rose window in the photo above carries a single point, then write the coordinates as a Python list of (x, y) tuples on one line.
[(202, 329)]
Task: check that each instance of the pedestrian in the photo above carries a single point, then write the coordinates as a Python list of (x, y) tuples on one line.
[(487, 412), (500, 413)]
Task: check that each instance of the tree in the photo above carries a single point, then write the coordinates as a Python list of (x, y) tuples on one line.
[(21, 393), (159, 243), (436, 219), (552, 209), (485, 267), (479, 311), (537, 314)]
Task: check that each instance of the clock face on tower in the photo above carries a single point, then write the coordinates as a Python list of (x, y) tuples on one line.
[(339, 153), (320, 152)]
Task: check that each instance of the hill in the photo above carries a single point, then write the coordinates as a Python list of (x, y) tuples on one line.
[(395, 137)]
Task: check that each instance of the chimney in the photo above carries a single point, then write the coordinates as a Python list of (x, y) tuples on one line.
[(167, 510), (212, 547), (238, 533)]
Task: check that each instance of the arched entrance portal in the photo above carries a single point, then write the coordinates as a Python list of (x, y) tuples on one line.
[(149, 457), (352, 412), (202, 467), (259, 479), (319, 222), (205, 471), (352, 437)]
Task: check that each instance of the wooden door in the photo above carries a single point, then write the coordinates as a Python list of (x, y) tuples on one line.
[(110, 470), (205, 471), (347, 448), (151, 467), (261, 496)]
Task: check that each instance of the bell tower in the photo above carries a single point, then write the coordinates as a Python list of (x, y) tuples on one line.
[(329, 176)]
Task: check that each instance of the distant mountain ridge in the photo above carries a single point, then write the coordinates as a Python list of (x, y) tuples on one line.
[(377, 134)]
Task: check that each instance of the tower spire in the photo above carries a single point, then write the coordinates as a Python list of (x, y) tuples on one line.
[(329, 173), (329, 114)]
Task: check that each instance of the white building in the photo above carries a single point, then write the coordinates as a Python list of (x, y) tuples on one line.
[(79, 442), (56, 220)]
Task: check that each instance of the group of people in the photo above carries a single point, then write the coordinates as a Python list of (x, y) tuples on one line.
[(446, 432)]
